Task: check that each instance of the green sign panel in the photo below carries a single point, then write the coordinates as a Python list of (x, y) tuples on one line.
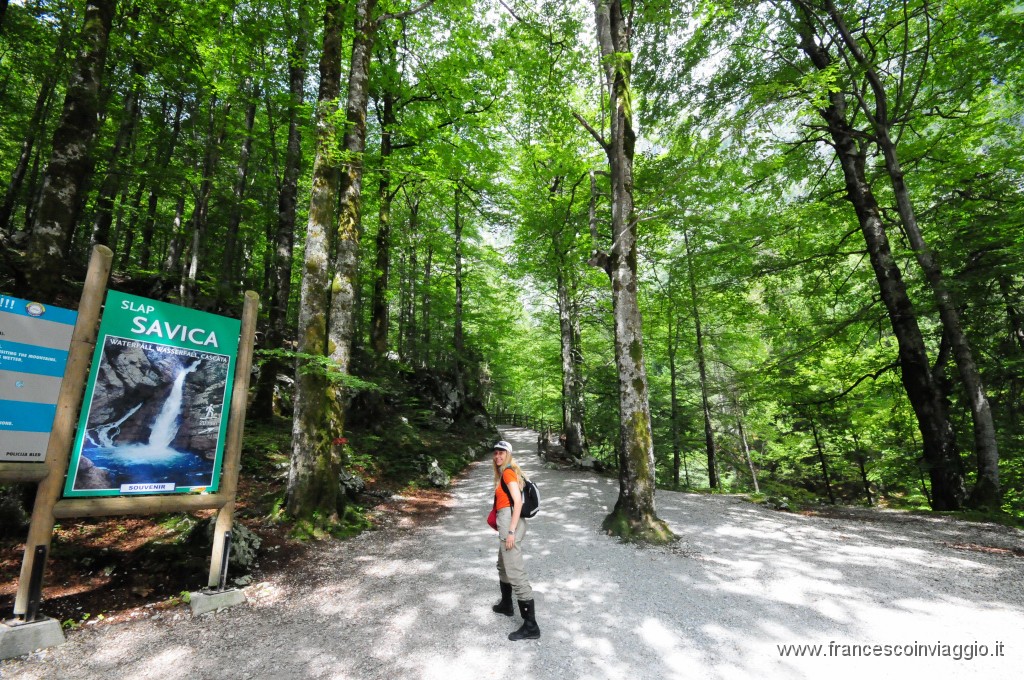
[(156, 404)]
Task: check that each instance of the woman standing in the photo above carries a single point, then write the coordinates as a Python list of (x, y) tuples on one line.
[(508, 502)]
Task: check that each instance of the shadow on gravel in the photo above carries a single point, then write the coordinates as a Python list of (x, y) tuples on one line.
[(742, 581)]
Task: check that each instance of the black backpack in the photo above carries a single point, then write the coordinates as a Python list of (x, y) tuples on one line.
[(531, 498)]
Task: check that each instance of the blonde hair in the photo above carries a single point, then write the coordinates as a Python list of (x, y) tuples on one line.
[(509, 463)]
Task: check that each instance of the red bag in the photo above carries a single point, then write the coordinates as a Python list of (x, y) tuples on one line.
[(492, 519)]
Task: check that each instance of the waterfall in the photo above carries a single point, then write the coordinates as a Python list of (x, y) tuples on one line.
[(106, 433), (165, 427)]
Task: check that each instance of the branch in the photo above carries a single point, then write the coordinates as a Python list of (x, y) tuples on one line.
[(592, 131), (874, 376), (406, 13), (512, 12), (601, 260)]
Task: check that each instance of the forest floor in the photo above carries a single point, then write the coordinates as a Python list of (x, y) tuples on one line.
[(115, 569), (743, 583)]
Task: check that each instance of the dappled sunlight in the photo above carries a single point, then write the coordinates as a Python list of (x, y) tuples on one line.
[(741, 581), (676, 654)]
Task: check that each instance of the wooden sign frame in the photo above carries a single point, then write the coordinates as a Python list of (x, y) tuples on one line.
[(48, 505)]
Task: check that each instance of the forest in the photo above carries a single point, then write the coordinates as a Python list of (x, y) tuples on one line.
[(764, 247)]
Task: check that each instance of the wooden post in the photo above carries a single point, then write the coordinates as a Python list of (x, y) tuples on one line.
[(23, 472), (236, 425), (69, 400), (144, 505)]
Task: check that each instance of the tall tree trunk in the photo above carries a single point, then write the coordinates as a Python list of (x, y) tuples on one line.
[(425, 346), (172, 262), (229, 262), (572, 388), (33, 190), (823, 463), (746, 449), (111, 184), (70, 160), (163, 161), (344, 287), (925, 395), (316, 460), (458, 341), (702, 373), (129, 237), (634, 514), (284, 238), (986, 493), (200, 212), (403, 302), (411, 340), (410, 326), (673, 346), (861, 463), (35, 127), (379, 307)]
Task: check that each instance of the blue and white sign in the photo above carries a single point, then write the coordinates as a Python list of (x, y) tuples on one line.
[(34, 342)]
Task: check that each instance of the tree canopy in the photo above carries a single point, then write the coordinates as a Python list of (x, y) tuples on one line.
[(772, 247)]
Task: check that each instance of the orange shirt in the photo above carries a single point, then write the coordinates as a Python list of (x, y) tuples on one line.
[(501, 500)]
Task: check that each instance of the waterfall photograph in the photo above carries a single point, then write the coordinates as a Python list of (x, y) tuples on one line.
[(154, 420)]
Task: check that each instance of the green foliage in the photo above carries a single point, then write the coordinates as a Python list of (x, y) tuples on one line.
[(736, 192), (317, 364)]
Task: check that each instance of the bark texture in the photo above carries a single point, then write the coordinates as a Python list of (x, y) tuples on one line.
[(379, 307), (986, 492), (284, 235), (316, 461), (702, 373), (346, 264), (572, 369), (634, 514), (70, 161), (923, 390)]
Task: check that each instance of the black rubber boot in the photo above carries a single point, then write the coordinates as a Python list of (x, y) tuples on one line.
[(529, 630), (505, 606)]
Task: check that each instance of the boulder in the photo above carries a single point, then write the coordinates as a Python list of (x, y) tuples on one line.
[(350, 484), (438, 477), (92, 477)]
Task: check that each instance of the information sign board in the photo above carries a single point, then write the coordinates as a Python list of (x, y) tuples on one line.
[(156, 403), (34, 341)]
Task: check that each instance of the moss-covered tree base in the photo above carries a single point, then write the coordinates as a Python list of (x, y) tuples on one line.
[(644, 529)]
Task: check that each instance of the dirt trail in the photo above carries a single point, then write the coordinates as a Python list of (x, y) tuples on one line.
[(743, 581)]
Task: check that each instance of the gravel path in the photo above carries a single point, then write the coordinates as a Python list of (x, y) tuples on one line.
[(742, 581)]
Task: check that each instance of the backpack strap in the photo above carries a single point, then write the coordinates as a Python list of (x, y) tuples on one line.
[(504, 487)]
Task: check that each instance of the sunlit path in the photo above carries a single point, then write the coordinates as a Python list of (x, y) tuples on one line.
[(742, 582)]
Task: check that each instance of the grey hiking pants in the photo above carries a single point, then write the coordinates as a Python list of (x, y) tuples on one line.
[(510, 562)]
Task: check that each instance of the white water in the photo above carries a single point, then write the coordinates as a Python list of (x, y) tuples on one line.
[(106, 433), (165, 427)]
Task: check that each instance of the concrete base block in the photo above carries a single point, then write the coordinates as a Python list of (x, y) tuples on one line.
[(205, 601), (18, 639)]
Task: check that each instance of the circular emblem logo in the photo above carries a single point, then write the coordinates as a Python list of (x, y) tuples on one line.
[(35, 309)]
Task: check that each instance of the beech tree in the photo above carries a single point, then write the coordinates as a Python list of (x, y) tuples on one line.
[(70, 160), (634, 513)]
